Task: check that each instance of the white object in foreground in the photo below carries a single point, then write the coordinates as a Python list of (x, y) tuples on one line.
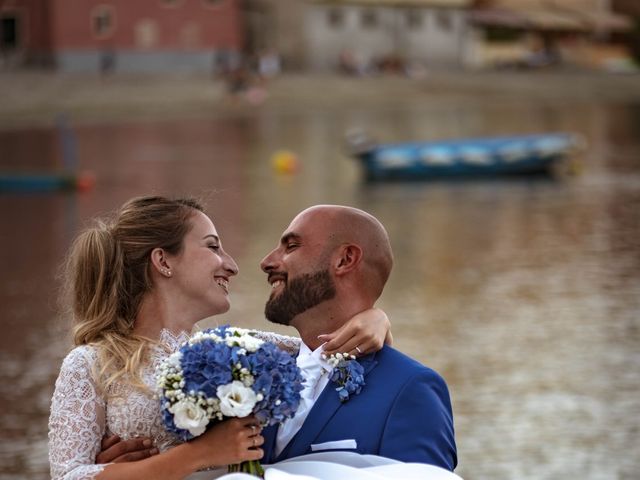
[(353, 466)]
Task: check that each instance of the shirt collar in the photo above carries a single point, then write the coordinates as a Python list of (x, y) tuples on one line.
[(315, 356)]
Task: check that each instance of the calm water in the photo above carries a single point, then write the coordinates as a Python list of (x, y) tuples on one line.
[(525, 295)]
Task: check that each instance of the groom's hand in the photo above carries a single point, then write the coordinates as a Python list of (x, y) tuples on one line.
[(115, 450)]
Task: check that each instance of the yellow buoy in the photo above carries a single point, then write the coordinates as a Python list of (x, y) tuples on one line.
[(284, 161)]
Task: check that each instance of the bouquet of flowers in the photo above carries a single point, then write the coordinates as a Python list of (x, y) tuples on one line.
[(227, 372)]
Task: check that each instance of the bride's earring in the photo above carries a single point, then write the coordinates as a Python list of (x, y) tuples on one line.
[(166, 272)]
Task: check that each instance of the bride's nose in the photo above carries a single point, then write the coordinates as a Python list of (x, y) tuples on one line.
[(230, 265)]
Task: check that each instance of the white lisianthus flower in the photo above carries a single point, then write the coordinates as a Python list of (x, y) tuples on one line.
[(187, 415), (236, 400)]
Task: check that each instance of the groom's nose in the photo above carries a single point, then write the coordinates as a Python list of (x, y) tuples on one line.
[(268, 263)]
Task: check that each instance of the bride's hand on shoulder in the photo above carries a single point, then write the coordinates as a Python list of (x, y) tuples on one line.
[(229, 442), (364, 333)]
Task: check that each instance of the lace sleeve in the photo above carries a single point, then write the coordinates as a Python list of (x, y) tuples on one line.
[(286, 343), (77, 421)]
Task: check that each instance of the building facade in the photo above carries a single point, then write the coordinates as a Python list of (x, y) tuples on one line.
[(25, 32), (428, 33), (539, 33), (121, 35)]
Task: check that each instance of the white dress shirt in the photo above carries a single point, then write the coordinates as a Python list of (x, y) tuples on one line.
[(316, 372)]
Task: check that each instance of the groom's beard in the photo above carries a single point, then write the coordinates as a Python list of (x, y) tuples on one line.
[(299, 295)]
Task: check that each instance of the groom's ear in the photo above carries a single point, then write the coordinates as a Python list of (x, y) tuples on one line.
[(347, 258)]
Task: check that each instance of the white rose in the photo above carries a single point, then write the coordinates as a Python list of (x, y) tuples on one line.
[(236, 400), (189, 416)]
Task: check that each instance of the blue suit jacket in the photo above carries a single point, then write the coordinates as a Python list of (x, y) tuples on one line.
[(403, 412)]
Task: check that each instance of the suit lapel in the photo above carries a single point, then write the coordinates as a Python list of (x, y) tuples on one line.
[(368, 362), (321, 413), (269, 446)]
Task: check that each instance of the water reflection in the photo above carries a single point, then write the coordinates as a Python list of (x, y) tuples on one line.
[(525, 295)]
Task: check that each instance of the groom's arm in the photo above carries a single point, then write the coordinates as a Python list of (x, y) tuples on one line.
[(420, 425)]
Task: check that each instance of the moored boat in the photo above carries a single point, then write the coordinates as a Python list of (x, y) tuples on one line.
[(45, 182), (476, 157)]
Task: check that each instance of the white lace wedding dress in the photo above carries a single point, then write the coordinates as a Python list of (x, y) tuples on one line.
[(81, 415)]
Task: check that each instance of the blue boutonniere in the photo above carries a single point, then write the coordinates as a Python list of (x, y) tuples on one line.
[(347, 374)]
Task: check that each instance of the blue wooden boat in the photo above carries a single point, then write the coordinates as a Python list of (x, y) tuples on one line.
[(478, 157)]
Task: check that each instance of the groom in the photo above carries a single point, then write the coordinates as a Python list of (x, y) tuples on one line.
[(331, 263)]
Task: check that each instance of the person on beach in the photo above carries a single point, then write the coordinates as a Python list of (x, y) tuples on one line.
[(331, 263), (137, 285)]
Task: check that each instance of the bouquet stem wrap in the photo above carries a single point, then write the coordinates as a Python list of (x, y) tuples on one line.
[(252, 467)]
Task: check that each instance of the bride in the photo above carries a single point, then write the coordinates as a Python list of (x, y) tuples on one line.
[(136, 287)]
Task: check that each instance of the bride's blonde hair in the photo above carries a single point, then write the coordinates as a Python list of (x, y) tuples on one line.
[(108, 273)]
